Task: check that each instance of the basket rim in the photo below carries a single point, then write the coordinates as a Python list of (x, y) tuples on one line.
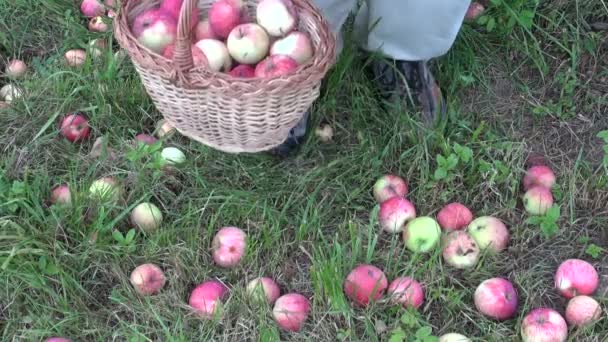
[(200, 77)]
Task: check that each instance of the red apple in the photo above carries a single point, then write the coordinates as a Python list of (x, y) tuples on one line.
[(76, 57), (454, 216), (296, 45), (460, 250), (206, 299), (174, 7), (75, 127), (243, 71), (96, 24), (405, 291), (544, 325), (364, 284), (57, 339), (489, 233), (145, 139), (147, 279), (203, 31), (224, 16), (217, 54), (110, 3), (389, 186), (16, 68), (198, 57), (582, 311), (475, 11), (539, 175), (278, 17), (248, 43), (229, 246), (155, 29), (61, 195), (263, 290), (496, 298), (538, 200), (576, 277), (92, 8), (291, 311), (395, 213), (275, 66)]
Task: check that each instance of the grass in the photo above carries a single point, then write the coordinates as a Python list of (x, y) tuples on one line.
[(539, 86)]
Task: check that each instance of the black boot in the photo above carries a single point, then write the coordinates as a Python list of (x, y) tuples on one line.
[(294, 139), (403, 82)]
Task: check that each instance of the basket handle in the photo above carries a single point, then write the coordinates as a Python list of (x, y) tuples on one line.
[(182, 55)]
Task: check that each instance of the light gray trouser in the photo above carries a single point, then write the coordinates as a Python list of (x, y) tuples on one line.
[(410, 30)]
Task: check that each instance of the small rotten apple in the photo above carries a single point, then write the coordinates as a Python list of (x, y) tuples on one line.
[(539, 175), (405, 291), (544, 325), (460, 250), (538, 200), (576, 277), (496, 298), (475, 11), (10, 92), (389, 186), (146, 216), (97, 24), (365, 284), (75, 127), (489, 233), (164, 129), (582, 311), (147, 279), (454, 216), (76, 57), (394, 213), (325, 133), (278, 17), (421, 234)]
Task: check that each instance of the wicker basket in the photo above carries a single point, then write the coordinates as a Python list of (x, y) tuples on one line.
[(226, 113)]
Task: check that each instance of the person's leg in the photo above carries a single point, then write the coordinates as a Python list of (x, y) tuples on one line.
[(409, 33), (335, 12)]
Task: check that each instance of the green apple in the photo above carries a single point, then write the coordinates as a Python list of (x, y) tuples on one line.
[(146, 216), (173, 156), (105, 189), (489, 233), (421, 234)]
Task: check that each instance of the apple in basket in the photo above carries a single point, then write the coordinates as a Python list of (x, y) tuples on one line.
[(224, 16), (203, 31), (155, 29), (198, 56), (243, 71), (248, 43), (275, 66), (296, 45), (217, 54), (278, 17), (174, 7)]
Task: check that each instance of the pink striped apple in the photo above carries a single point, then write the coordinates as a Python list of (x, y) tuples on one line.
[(395, 213)]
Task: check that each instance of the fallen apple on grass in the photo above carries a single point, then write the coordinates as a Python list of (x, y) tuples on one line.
[(229, 246), (278, 17), (105, 189), (145, 139), (57, 339), (16, 68), (454, 216), (217, 54), (147, 217), (365, 284), (96, 48), (474, 11), (460, 250), (173, 156), (394, 213), (496, 298), (275, 66), (538, 200), (10, 92), (224, 16), (61, 195), (539, 175), (576, 277), (164, 129), (453, 337), (489, 233), (405, 291), (582, 311), (243, 71), (206, 299), (389, 186), (147, 279), (325, 133), (296, 45), (421, 234), (544, 325), (75, 127), (248, 43), (97, 24), (75, 57), (92, 8), (263, 290), (291, 311), (155, 29)]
